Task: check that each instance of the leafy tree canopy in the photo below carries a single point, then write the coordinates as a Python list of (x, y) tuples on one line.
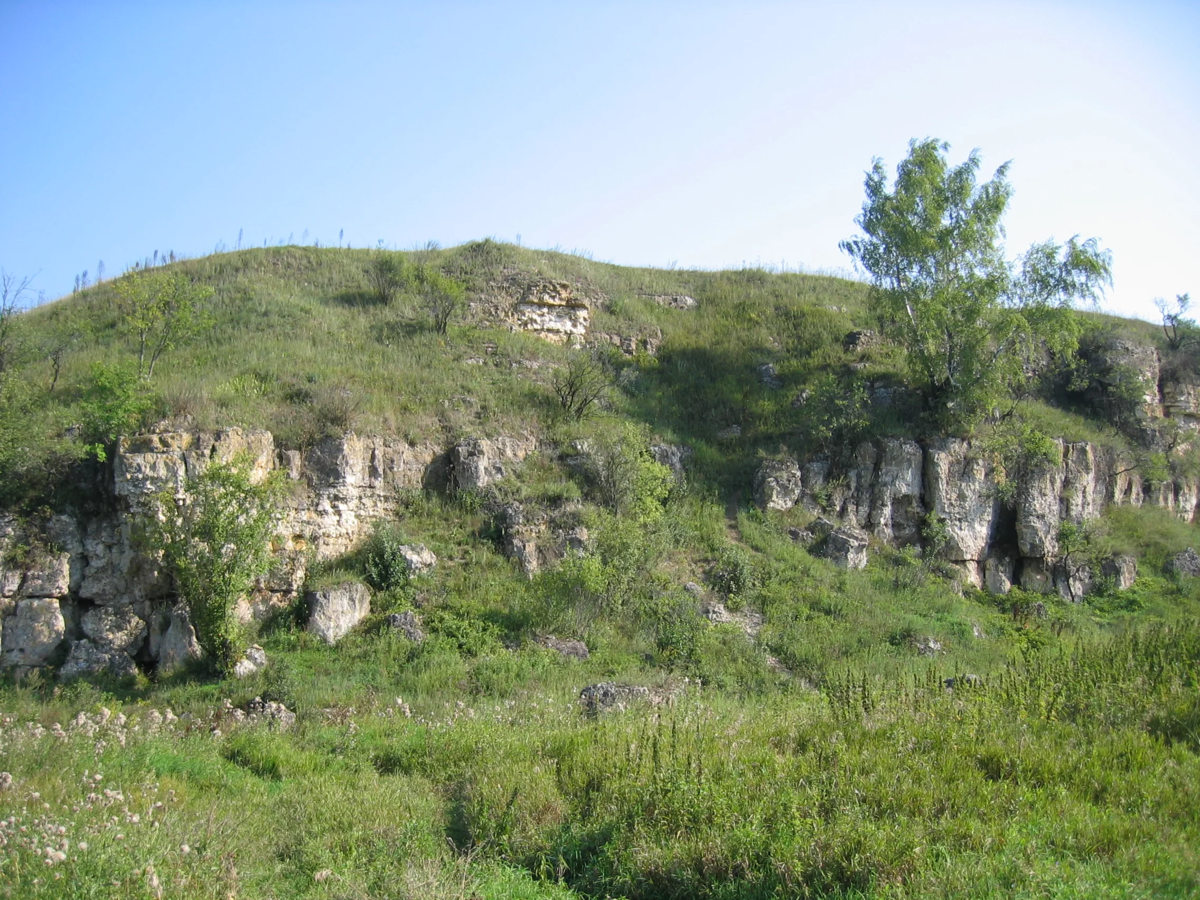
[(969, 319)]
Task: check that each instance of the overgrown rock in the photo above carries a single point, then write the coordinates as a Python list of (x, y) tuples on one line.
[(475, 464), (1185, 563), (173, 640), (334, 611), (610, 695), (254, 660), (768, 377), (277, 716), (408, 624), (1122, 570), (50, 577), (569, 648)]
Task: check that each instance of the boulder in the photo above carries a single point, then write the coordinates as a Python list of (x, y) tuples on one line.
[(748, 620), (927, 646), (998, 574), (777, 484), (253, 660), (33, 633), (675, 301), (847, 547), (175, 644), (116, 629), (1122, 570), (408, 624), (87, 658), (332, 612), (1185, 563), (418, 558), (571, 649), (50, 577)]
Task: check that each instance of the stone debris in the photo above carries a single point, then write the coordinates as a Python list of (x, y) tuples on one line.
[(861, 341), (730, 433), (675, 301), (927, 646), (748, 620), (277, 716), (615, 696)]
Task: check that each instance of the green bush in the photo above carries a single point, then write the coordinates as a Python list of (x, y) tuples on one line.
[(383, 563), (214, 542)]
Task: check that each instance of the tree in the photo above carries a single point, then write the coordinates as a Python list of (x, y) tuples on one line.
[(12, 292), (214, 542), (1180, 331), (582, 384), (159, 308), (968, 319)]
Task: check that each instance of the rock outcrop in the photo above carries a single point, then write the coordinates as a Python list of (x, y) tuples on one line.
[(552, 310)]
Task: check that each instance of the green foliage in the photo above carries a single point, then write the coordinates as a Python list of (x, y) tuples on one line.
[(441, 297), (627, 478), (736, 574), (836, 416), (583, 383), (383, 563), (386, 273), (968, 322), (115, 402), (159, 308), (214, 541)]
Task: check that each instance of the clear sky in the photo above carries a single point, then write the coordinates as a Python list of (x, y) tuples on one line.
[(650, 133)]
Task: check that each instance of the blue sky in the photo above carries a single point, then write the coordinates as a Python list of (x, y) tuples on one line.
[(651, 133)]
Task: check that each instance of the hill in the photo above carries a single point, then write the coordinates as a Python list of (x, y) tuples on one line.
[(747, 625)]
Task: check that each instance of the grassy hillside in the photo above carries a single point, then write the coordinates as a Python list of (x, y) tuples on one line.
[(818, 753)]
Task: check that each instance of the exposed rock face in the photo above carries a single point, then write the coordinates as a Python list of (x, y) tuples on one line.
[(960, 490), (777, 484), (674, 457), (333, 612), (897, 508), (998, 574), (847, 547), (645, 341), (173, 640), (552, 310), (477, 463), (1122, 570), (88, 658), (114, 628), (33, 633), (50, 578)]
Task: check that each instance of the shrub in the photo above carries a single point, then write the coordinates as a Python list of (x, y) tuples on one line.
[(383, 563), (213, 543)]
